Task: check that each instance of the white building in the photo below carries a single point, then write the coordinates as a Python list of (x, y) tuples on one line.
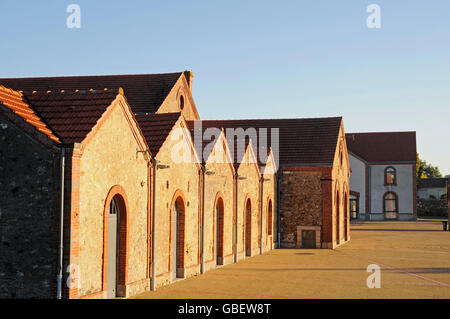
[(383, 175), (432, 188)]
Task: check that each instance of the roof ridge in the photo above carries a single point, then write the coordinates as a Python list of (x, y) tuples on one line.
[(387, 132), (271, 119), (97, 75)]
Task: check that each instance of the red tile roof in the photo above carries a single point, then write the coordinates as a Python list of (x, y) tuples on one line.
[(383, 146), (15, 101), (156, 128), (145, 92), (71, 115), (301, 141)]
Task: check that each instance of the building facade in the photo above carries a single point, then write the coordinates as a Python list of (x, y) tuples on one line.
[(383, 175), (106, 193)]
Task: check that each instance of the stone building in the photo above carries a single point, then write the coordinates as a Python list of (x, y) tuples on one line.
[(113, 161), (312, 194), (383, 175)]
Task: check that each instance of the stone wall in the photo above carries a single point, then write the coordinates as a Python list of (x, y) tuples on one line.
[(28, 233), (300, 203), (110, 160), (432, 208), (248, 188), (175, 179), (219, 183)]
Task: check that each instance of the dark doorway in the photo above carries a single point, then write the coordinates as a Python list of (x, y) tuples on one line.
[(219, 231), (248, 228), (308, 239)]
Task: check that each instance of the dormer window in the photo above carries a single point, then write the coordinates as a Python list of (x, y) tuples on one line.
[(181, 102), (390, 176)]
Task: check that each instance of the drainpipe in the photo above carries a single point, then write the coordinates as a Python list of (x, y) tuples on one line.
[(61, 226), (262, 207), (236, 223), (202, 267), (153, 281), (279, 176)]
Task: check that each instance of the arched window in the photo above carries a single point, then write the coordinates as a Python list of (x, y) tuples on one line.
[(390, 176), (181, 102), (390, 205), (269, 219)]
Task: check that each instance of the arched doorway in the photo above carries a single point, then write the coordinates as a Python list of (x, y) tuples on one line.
[(346, 218), (219, 221), (248, 228), (115, 243), (338, 213), (269, 219), (177, 235)]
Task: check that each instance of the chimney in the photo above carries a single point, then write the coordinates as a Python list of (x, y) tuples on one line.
[(189, 78)]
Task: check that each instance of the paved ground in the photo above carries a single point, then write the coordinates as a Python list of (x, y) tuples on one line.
[(414, 258)]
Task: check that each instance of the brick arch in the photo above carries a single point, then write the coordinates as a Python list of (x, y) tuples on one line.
[(338, 212), (269, 215), (346, 204), (219, 220), (118, 193), (394, 182), (247, 231), (179, 199)]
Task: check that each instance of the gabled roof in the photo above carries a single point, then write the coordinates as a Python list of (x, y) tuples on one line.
[(383, 146), (145, 92), (156, 128), (71, 115), (15, 102), (301, 141)]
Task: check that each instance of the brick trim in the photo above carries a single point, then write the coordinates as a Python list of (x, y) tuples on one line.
[(220, 220), (123, 242), (247, 223), (385, 176), (367, 192), (71, 219), (179, 199)]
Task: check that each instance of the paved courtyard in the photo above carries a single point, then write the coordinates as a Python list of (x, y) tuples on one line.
[(414, 258)]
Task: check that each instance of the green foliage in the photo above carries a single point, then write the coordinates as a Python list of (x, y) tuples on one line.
[(425, 170)]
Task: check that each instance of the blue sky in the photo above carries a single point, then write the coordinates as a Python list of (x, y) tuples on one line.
[(258, 59)]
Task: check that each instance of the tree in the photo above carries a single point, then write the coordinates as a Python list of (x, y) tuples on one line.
[(425, 170)]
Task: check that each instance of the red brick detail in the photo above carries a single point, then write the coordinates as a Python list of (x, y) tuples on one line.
[(337, 213), (367, 192), (71, 221), (119, 194), (219, 219), (327, 210), (180, 200), (269, 217), (394, 183), (248, 226), (346, 213)]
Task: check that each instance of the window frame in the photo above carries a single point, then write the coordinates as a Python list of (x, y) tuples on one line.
[(394, 183), (384, 202)]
